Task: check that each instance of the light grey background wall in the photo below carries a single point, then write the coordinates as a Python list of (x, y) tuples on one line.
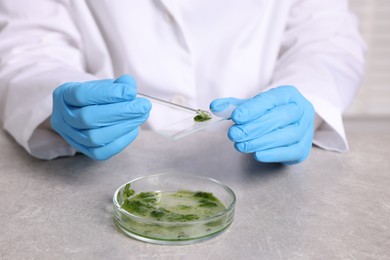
[(373, 99)]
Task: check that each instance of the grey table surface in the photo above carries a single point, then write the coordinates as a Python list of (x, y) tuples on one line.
[(332, 206)]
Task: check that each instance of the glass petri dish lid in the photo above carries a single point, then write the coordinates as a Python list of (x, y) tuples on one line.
[(173, 208)]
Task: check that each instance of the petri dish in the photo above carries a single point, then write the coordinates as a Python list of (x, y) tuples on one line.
[(179, 195)]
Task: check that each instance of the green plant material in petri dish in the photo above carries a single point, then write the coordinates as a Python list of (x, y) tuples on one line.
[(176, 206), (202, 116), (171, 207)]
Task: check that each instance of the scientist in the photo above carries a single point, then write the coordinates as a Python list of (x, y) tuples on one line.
[(70, 71)]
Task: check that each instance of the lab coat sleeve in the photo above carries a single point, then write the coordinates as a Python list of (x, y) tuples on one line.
[(322, 54), (39, 50)]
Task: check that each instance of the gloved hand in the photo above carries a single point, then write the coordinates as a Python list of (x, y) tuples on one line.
[(277, 125), (99, 118)]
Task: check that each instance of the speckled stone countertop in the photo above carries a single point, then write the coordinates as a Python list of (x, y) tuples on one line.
[(332, 206)]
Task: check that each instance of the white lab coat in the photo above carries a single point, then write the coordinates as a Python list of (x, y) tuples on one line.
[(186, 51)]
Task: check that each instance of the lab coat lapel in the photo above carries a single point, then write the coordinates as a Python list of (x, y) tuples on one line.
[(175, 16), (218, 39)]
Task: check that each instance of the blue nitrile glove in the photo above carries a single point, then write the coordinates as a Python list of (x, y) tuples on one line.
[(99, 118), (277, 125)]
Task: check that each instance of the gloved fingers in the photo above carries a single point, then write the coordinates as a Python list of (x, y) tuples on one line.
[(263, 102), (286, 136), (308, 114), (108, 114), (102, 135), (96, 92), (291, 154), (272, 120), (223, 107), (106, 151)]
